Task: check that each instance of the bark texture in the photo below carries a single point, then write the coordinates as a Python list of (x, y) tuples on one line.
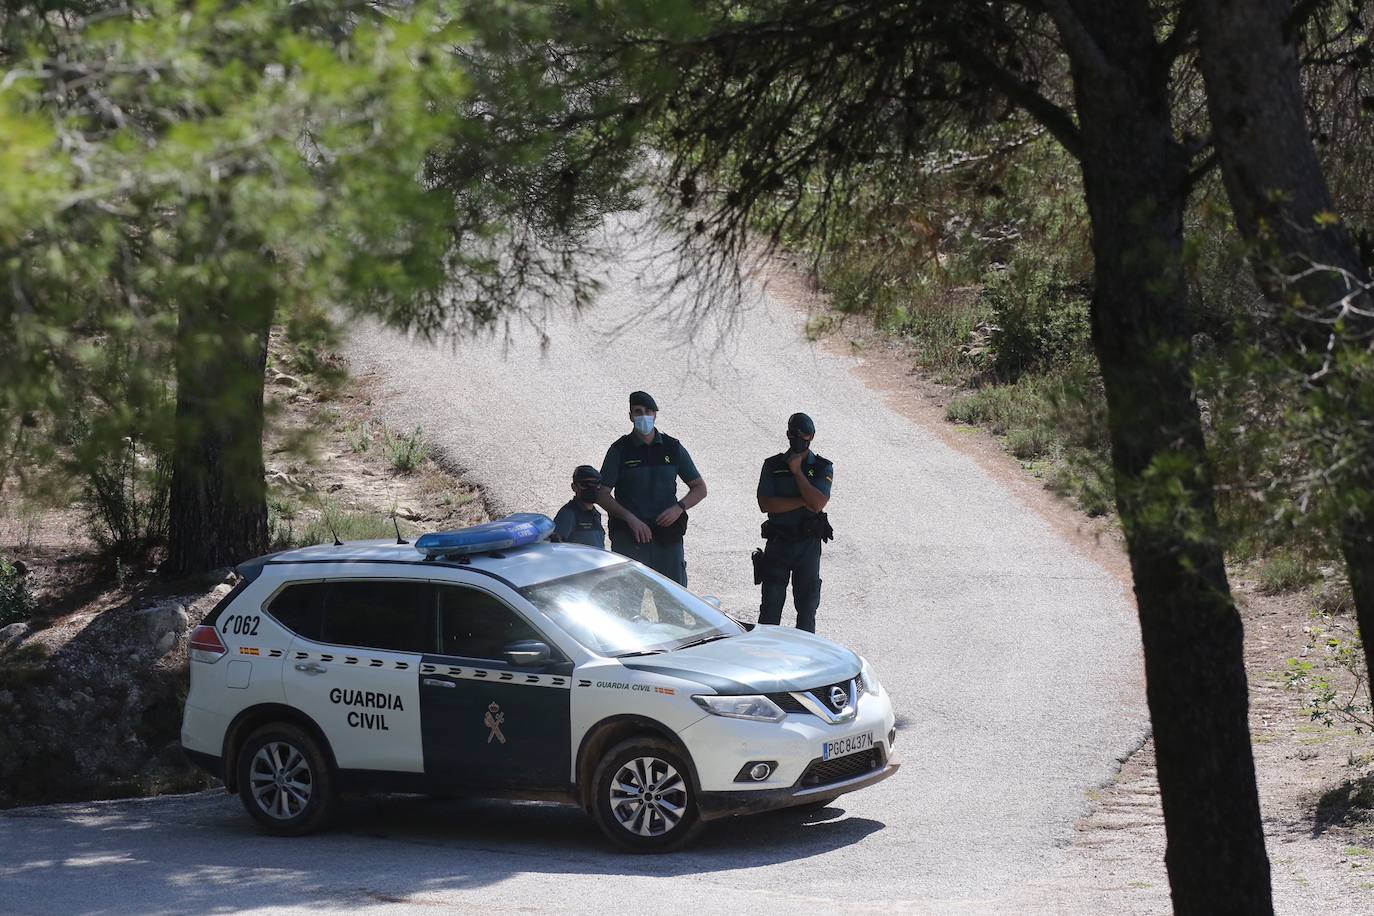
[(1283, 209), (218, 512), (1136, 178)]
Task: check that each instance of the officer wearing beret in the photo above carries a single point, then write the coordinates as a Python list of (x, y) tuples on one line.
[(794, 488), (578, 522), (639, 490)]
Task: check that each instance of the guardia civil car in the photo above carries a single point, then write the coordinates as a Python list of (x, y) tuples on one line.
[(489, 662)]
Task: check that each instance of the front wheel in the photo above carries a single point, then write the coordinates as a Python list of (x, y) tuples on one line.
[(643, 798), (285, 781)]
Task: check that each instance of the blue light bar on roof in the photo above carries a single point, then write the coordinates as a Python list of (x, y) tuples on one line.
[(512, 531)]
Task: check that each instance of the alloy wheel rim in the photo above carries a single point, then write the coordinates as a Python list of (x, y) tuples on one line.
[(648, 796), (280, 780)]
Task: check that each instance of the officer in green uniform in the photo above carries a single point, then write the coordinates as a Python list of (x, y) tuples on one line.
[(578, 522), (794, 487), (639, 490)]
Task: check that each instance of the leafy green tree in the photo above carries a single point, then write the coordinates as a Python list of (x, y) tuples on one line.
[(767, 116), (178, 177), (1305, 257), (193, 173)]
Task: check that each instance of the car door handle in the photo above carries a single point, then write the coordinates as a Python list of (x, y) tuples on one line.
[(435, 682), (311, 668)]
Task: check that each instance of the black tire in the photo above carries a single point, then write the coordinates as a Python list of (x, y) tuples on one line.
[(653, 821), (285, 780)]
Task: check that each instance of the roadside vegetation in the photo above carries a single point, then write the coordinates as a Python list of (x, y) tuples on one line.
[(92, 639), (984, 276)]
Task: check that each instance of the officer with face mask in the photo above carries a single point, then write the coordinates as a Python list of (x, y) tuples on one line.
[(639, 491), (794, 488), (578, 522)]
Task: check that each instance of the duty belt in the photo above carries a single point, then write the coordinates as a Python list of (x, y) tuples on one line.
[(811, 528)]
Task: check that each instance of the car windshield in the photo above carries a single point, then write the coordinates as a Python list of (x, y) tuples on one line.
[(624, 610)]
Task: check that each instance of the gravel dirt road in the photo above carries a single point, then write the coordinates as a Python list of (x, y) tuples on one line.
[(1013, 659)]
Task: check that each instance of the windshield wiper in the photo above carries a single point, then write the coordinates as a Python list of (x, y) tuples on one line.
[(640, 652), (704, 640)]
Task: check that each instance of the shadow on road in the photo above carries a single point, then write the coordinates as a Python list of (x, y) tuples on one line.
[(199, 853)]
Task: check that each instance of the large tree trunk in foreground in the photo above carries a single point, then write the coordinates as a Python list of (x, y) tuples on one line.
[(218, 503), (1283, 209), (1135, 177)]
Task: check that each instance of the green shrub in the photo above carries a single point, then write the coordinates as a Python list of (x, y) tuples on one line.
[(1002, 408), (405, 452), (359, 438), (1040, 319), (282, 513), (16, 601), (1285, 571), (1087, 484), (347, 524), (125, 490), (1031, 442)]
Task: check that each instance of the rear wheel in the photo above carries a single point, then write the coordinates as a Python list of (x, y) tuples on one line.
[(285, 781), (643, 798)]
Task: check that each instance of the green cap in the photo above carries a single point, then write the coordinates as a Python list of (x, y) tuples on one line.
[(642, 399), (801, 423)]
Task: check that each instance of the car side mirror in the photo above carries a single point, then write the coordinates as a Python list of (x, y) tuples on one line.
[(527, 653), (711, 600)]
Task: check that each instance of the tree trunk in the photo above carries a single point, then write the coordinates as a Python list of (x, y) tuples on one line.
[(1135, 178), (1282, 206), (218, 503)]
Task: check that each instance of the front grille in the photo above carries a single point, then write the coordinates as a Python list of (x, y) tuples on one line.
[(829, 772), (788, 703), (822, 694)]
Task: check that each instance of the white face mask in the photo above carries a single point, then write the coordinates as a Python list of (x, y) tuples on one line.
[(644, 424)]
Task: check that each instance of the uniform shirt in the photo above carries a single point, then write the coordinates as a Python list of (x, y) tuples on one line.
[(577, 525), (776, 480), (644, 475)]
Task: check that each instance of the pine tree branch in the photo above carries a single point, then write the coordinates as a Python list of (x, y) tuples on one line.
[(1054, 118)]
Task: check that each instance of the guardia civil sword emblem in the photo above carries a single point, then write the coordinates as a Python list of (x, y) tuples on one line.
[(493, 720)]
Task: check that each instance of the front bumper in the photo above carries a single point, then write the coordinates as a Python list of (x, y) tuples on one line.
[(721, 747), (716, 805)]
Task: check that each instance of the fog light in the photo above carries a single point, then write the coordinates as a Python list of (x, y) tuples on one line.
[(756, 771)]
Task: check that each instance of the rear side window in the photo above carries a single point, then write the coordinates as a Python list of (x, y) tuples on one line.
[(300, 608), (392, 615), (395, 615)]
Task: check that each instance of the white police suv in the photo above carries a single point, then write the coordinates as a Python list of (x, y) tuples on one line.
[(489, 662)]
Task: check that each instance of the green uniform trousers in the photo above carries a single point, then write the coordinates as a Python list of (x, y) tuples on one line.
[(799, 561), (667, 559)]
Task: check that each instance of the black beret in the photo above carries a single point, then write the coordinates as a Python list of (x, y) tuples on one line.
[(801, 423), (642, 399)]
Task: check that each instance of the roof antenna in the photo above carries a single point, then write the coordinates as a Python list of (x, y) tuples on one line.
[(397, 525), (330, 522)]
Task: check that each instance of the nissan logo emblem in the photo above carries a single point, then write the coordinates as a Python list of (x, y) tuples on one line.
[(838, 697)]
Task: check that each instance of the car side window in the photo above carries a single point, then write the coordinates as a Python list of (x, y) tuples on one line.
[(300, 608), (474, 624), (393, 615)]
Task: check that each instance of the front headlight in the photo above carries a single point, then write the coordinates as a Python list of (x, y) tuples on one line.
[(758, 708), (870, 679)]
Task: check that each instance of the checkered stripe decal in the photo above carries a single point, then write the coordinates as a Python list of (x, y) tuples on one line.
[(498, 677), (454, 671)]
